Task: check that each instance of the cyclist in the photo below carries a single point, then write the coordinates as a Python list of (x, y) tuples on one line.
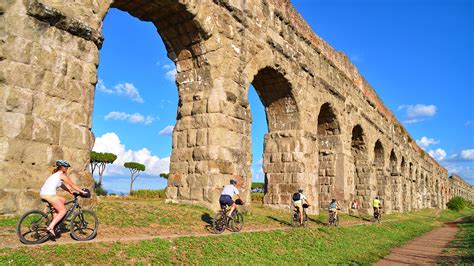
[(226, 196), (377, 205), (48, 192), (333, 207), (298, 200)]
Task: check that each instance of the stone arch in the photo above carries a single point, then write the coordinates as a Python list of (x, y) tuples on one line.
[(412, 180), (379, 156), (359, 153), (276, 94), (379, 163), (394, 183), (192, 179), (283, 171), (393, 163), (327, 121), (181, 34), (331, 178)]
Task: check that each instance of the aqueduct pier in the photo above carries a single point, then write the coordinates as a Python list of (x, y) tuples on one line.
[(328, 131)]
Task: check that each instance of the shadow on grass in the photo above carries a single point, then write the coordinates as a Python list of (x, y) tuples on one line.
[(206, 217), (317, 221), (279, 220)]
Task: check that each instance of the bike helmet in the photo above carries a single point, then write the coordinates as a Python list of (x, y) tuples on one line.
[(300, 190), (87, 191), (62, 163), (233, 182), (333, 200)]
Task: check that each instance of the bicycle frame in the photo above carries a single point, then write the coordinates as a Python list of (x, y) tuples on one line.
[(69, 212)]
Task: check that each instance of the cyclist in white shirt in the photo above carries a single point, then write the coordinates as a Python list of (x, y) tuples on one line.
[(48, 192), (226, 196), (298, 200)]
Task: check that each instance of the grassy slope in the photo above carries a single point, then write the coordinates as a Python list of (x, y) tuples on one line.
[(461, 250), (361, 244)]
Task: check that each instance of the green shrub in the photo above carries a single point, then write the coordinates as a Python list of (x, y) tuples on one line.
[(148, 193), (458, 203), (99, 190), (257, 196), (258, 184)]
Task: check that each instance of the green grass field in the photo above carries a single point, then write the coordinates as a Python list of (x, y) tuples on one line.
[(360, 244)]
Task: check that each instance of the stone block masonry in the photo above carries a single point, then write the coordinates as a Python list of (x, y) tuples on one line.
[(329, 132)]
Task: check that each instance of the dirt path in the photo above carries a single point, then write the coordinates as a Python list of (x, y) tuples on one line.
[(423, 250), (110, 234)]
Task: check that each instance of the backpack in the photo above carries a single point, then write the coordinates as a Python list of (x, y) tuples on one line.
[(296, 196)]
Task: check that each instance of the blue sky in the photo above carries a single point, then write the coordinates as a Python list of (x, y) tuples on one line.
[(418, 55)]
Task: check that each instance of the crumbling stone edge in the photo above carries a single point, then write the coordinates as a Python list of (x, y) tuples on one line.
[(58, 19)]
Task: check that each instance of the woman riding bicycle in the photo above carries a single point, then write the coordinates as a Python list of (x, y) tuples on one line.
[(48, 192)]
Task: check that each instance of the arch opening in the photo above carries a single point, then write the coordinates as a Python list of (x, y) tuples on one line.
[(330, 180), (327, 121), (361, 176), (182, 40), (379, 163), (282, 168)]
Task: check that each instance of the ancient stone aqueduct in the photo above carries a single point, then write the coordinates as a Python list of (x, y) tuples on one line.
[(328, 132)]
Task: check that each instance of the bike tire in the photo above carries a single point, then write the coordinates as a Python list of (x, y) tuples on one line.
[(295, 219), (336, 221), (305, 220), (84, 225), (219, 223), (35, 222), (237, 222)]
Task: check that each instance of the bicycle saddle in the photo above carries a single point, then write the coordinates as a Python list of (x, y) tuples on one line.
[(45, 201)]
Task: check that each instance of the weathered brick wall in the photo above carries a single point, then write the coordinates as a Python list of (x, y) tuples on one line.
[(324, 119)]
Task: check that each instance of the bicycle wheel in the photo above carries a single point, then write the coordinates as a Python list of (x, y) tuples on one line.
[(237, 222), (84, 225), (336, 221), (305, 219), (295, 221), (219, 223), (31, 228)]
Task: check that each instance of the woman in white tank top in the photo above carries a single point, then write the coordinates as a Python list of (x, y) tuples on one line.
[(48, 191)]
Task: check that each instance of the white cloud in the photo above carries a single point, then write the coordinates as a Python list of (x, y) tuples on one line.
[(101, 87), (132, 118), (416, 113), (128, 90), (171, 74), (167, 131), (463, 156), (465, 171), (167, 66), (467, 155), (425, 142), (469, 123), (438, 154), (121, 89), (110, 142)]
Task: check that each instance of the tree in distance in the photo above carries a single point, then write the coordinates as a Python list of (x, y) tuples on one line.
[(100, 160), (165, 175), (135, 169)]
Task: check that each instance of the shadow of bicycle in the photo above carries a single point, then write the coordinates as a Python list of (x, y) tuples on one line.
[(206, 217), (279, 220)]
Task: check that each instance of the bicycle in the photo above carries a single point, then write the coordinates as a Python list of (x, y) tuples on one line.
[(221, 221), (333, 219), (32, 226), (377, 215), (296, 216)]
